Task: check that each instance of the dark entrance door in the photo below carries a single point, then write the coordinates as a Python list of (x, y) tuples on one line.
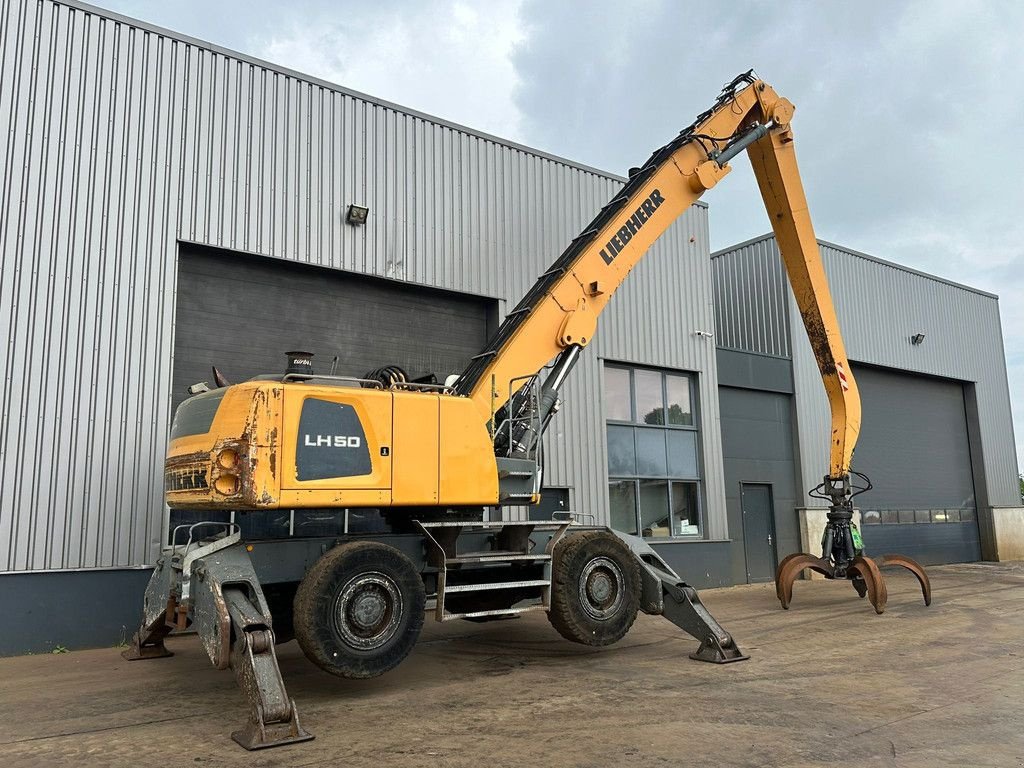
[(758, 531)]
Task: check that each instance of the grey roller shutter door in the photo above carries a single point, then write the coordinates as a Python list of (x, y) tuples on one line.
[(914, 447), (242, 313)]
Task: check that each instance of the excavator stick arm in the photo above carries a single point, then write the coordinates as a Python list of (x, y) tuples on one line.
[(773, 158)]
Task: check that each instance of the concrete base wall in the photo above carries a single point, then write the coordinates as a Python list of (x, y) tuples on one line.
[(812, 528), (701, 564), (1008, 523), (69, 609)]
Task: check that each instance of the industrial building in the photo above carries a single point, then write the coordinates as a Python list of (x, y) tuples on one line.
[(168, 205)]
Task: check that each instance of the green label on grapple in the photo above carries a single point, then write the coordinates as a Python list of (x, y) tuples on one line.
[(858, 542)]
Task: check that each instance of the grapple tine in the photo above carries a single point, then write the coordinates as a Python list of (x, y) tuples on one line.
[(914, 567), (778, 571), (790, 568), (859, 585), (865, 568)]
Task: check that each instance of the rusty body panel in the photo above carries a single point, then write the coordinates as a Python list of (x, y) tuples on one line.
[(247, 458), (233, 463)]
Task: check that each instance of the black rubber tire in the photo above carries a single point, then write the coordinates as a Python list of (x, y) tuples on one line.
[(363, 567), (604, 554)]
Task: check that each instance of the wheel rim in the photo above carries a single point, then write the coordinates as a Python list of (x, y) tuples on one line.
[(601, 588), (368, 610)]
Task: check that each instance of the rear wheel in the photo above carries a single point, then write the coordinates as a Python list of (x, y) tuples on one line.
[(359, 610), (595, 588)]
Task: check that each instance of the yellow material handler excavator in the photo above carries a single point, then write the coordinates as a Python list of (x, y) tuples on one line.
[(385, 486)]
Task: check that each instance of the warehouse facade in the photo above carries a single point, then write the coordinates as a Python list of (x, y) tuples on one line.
[(936, 438), (168, 206)]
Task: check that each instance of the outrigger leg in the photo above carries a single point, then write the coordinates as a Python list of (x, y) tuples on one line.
[(213, 588), (842, 553), (665, 594)]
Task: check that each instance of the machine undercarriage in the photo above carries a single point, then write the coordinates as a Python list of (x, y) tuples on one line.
[(360, 600)]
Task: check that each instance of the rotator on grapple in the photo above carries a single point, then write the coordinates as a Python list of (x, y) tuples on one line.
[(842, 551)]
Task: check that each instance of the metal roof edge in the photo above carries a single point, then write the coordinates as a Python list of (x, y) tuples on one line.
[(905, 268), (744, 244), (868, 257), (188, 39)]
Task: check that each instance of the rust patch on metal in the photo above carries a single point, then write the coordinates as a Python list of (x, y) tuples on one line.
[(819, 342)]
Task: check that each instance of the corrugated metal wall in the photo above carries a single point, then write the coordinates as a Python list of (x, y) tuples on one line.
[(751, 299), (121, 139), (880, 306)]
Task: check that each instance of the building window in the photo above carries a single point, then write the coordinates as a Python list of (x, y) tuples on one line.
[(653, 469)]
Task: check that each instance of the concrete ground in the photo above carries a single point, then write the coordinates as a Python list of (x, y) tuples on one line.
[(828, 683)]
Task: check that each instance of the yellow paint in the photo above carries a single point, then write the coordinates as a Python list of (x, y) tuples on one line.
[(468, 470), (373, 409), (429, 448), (555, 321), (415, 454), (774, 161), (425, 449)]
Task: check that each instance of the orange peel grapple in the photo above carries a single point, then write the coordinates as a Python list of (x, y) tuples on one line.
[(842, 554)]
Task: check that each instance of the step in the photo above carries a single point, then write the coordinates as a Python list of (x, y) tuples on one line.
[(497, 524), (515, 473), (496, 585), (499, 612), (497, 556)]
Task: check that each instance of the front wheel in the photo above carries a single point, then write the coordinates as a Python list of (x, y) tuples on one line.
[(595, 588), (359, 610)]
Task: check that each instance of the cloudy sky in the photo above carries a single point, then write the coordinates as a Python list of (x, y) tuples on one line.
[(909, 113)]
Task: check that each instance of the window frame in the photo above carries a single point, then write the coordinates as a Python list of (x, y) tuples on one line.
[(631, 369), (697, 481)]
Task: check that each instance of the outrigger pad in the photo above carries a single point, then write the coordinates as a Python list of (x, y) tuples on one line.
[(260, 735), (273, 719), (684, 608), (158, 615), (144, 646)]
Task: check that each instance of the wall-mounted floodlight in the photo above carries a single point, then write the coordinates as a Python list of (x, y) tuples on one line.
[(917, 338), (356, 215)]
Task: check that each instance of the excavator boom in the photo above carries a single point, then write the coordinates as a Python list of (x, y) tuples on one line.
[(560, 312)]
